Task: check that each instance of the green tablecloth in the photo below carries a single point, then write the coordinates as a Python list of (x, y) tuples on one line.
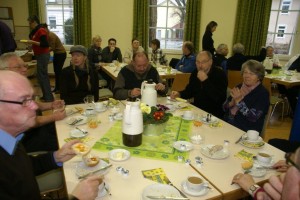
[(154, 147)]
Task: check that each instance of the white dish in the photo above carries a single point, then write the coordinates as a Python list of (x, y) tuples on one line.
[(264, 164), (211, 121), (202, 192), (119, 154), (89, 112), (257, 172), (101, 110), (70, 120), (222, 154), (75, 133), (183, 146), (82, 169), (159, 190), (182, 105), (186, 118), (70, 111), (259, 139)]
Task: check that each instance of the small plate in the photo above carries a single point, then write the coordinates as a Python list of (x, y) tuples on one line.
[(264, 164), (89, 112), (70, 120), (82, 169), (188, 119), (119, 154), (101, 110), (75, 133), (182, 105), (251, 144), (183, 146), (257, 172), (159, 190), (259, 139), (222, 154), (70, 111), (202, 192)]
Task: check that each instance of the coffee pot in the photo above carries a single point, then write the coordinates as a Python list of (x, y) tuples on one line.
[(148, 92), (132, 127)]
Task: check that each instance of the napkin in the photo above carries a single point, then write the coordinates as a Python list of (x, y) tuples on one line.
[(244, 155), (158, 175)]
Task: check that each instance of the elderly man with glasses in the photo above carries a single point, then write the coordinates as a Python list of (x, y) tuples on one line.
[(285, 187)]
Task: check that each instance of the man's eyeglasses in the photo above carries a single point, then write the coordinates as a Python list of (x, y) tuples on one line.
[(289, 161), (203, 62), (25, 103), (18, 67)]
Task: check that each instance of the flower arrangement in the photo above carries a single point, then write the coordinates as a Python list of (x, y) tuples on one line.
[(155, 114)]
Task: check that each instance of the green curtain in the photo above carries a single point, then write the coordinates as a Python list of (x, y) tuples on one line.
[(192, 22), (141, 22), (82, 22), (33, 8), (252, 21)]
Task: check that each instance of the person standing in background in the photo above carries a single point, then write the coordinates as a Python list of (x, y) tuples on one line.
[(207, 41), (40, 46), (7, 42), (59, 56), (111, 52), (157, 55)]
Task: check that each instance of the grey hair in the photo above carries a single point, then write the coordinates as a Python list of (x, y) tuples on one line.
[(220, 48), (4, 58), (255, 67), (238, 48)]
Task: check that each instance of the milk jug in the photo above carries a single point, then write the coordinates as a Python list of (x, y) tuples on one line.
[(132, 127)]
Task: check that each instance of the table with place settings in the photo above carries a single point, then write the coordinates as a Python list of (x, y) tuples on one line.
[(162, 159)]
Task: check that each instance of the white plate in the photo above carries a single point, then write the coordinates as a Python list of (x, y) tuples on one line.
[(183, 146), (186, 118), (70, 120), (212, 120), (119, 154), (264, 164), (101, 110), (259, 139), (202, 192), (182, 105), (69, 111), (75, 133), (258, 172), (222, 154), (89, 112), (82, 169), (159, 190)]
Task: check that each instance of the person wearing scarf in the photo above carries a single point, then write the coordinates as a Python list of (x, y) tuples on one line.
[(248, 103), (78, 80)]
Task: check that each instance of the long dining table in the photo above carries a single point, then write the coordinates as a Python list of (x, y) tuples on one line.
[(217, 172), (288, 78)]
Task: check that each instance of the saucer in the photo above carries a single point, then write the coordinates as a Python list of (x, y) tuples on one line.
[(82, 169), (119, 154), (101, 109), (202, 192), (186, 118), (183, 146), (222, 154), (71, 120), (264, 164), (257, 172)]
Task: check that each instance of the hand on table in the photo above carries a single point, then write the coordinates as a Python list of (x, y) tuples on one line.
[(87, 189), (243, 180), (160, 86), (174, 94), (281, 166)]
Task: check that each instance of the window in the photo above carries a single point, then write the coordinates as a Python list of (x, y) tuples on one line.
[(285, 7), (166, 22), (283, 28), (52, 22), (59, 15), (281, 31)]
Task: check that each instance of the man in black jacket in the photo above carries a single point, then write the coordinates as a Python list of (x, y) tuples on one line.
[(207, 85)]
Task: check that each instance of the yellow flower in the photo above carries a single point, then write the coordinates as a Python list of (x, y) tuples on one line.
[(145, 108)]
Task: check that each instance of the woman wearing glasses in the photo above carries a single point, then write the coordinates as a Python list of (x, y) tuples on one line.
[(285, 187)]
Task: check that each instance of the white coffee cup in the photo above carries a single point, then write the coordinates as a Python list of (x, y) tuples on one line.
[(252, 135), (188, 114), (264, 157), (194, 183), (99, 106)]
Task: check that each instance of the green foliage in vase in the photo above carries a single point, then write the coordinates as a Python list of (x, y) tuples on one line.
[(155, 114)]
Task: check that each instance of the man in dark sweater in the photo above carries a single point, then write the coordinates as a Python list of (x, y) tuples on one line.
[(18, 171), (130, 78), (207, 85)]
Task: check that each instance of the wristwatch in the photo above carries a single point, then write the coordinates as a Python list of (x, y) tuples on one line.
[(252, 189)]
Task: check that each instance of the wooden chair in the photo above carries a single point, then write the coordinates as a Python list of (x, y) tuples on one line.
[(234, 78), (180, 81)]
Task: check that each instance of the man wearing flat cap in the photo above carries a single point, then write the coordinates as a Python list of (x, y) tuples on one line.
[(78, 80)]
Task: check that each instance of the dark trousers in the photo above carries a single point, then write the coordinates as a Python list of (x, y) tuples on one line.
[(58, 63)]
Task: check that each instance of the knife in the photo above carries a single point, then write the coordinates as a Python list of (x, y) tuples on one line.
[(76, 121), (93, 172), (167, 197)]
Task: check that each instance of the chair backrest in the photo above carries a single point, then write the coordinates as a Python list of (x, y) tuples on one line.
[(234, 78), (180, 81), (266, 122), (174, 62), (268, 85)]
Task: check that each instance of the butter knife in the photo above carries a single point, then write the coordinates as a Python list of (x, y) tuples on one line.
[(93, 172), (167, 197)]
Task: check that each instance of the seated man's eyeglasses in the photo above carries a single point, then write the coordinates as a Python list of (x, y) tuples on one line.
[(24, 103), (289, 161), (202, 62)]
